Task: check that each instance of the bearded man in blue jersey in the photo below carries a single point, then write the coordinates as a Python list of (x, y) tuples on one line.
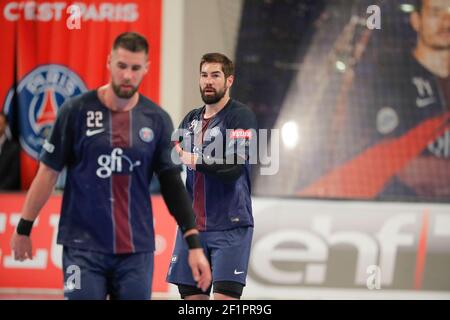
[(216, 142)]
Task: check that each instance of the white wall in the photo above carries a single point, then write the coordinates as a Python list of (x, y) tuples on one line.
[(172, 47), (190, 29)]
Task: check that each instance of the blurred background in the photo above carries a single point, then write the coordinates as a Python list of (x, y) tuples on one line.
[(355, 98)]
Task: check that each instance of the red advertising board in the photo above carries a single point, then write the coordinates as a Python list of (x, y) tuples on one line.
[(44, 271)]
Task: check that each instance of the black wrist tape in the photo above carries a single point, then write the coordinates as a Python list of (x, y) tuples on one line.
[(24, 227), (193, 241)]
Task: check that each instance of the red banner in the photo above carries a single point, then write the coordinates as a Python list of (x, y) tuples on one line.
[(44, 271), (57, 49)]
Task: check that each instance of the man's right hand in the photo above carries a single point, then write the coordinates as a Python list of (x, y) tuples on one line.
[(21, 246), (201, 270), (40, 190)]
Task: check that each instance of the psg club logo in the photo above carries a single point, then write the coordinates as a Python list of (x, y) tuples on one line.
[(146, 134), (39, 96)]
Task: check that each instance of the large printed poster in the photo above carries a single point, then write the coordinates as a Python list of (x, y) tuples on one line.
[(363, 111)]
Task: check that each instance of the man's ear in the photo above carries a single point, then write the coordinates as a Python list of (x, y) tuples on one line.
[(147, 66), (230, 81), (414, 20), (108, 62)]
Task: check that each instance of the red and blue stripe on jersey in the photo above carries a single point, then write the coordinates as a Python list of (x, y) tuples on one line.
[(199, 186), (121, 137)]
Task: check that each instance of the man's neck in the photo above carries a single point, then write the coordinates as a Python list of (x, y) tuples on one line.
[(212, 109), (435, 61), (113, 102)]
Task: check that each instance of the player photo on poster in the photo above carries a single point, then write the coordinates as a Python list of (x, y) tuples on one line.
[(366, 109)]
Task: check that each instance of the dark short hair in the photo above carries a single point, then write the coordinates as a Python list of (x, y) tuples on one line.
[(418, 5), (227, 64), (131, 41)]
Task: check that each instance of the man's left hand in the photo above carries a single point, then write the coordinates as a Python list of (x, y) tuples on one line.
[(187, 158), (201, 270)]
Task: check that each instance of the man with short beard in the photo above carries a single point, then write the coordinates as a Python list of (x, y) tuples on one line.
[(112, 140), (215, 146)]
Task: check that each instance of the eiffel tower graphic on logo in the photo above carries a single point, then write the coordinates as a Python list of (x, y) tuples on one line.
[(47, 111)]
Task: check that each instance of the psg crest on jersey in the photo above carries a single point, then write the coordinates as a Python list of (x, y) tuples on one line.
[(146, 134), (39, 96)]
